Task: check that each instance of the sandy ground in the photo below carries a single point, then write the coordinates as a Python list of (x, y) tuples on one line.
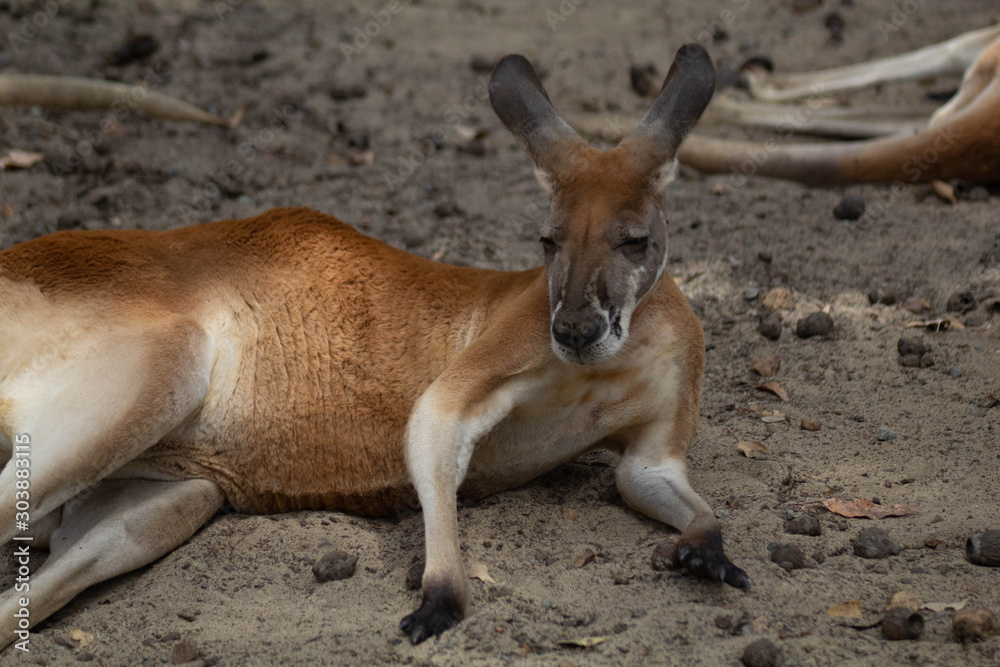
[(378, 134)]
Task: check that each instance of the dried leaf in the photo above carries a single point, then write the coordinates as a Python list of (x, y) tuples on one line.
[(81, 637), (944, 190), (772, 416), (751, 448), (777, 299), (862, 507), (849, 609), (766, 365), (940, 324), (478, 571), (775, 389), (939, 607), (585, 558), (904, 599), (583, 642), (20, 159)]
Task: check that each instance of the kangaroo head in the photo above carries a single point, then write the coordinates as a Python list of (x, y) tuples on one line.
[(605, 239)]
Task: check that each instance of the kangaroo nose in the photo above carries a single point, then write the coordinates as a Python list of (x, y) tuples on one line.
[(576, 335)]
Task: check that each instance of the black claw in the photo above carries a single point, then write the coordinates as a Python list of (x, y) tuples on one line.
[(709, 562), (432, 618)]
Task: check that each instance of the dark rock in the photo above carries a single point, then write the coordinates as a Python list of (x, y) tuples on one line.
[(851, 207), (765, 256), (836, 26), (770, 326), (902, 623), (916, 361), (137, 48), (645, 79), (817, 324), (334, 566), (787, 556), (978, 193), (910, 346), (975, 624), (761, 653), (415, 576), (446, 208), (341, 93), (68, 220), (874, 543), (961, 302), (482, 64), (804, 524), (663, 557), (884, 294), (751, 293), (184, 651), (984, 548)]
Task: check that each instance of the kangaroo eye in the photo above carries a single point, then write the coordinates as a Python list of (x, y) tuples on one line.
[(548, 245)]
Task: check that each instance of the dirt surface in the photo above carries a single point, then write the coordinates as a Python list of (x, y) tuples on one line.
[(380, 137)]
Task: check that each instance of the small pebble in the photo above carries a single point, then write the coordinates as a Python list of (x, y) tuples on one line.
[(184, 651), (335, 566), (984, 548), (915, 305), (804, 524), (851, 207), (645, 79), (902, 623), (787, 556), (663, 557), (415, 576), (978, 193), (961, 302), (810, 425), (761, 653), (885, 294), (885, 434), (910, 346), (955, 371), (874, 543), (482, 64), (975, 624), (916, 361), (751, 293), (770, 326), (817, 324)]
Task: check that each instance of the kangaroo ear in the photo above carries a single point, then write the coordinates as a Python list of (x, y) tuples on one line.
[(686, 92), (522, 104)]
